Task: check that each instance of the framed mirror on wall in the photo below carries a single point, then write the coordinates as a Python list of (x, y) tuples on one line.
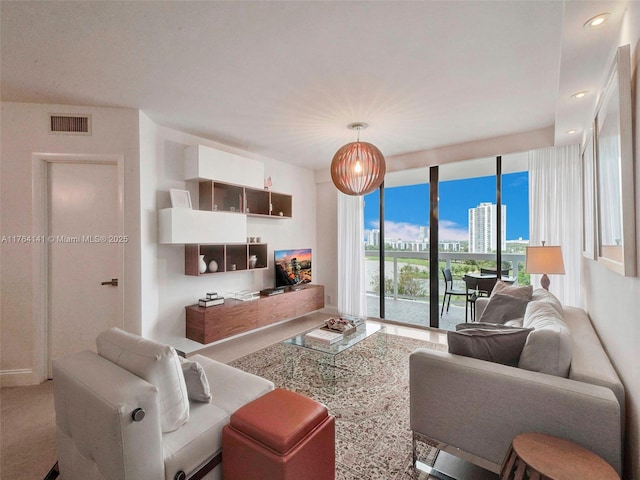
[(615, 206)]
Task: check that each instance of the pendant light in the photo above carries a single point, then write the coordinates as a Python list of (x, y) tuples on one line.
[(358, 167)]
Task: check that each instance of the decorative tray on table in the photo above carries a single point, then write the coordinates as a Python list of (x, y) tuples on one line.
[(340, 325)]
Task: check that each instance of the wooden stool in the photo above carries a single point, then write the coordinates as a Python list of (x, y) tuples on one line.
[(536, 456)]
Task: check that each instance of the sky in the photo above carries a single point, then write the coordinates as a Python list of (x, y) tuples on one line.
[(407, 208)]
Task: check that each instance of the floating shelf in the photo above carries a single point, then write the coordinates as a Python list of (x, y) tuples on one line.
[(228, 257)]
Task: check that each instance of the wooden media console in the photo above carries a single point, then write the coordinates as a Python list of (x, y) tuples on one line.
[(206, 325)]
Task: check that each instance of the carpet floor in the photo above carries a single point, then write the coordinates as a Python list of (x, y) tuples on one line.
[(370, 402), (369, 398), (27, 432)]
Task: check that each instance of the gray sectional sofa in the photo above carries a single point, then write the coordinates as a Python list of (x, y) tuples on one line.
[(473, 408)]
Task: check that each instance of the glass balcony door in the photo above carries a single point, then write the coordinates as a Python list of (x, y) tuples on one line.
[(471, 236)]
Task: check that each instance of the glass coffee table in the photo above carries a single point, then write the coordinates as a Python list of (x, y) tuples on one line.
[(328, 352)]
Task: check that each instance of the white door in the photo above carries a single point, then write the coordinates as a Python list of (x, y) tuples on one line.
[(85, 252)]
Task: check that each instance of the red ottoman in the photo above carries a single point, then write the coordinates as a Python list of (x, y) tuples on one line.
[(280, 436)]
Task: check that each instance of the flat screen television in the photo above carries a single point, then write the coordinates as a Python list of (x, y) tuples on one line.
[(293, 267)]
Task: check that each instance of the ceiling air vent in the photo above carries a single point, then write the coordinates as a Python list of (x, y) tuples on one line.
[(69, 124)]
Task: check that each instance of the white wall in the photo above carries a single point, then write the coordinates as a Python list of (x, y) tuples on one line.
[(327, 221), (25, 132), (613, 301), (157, 290), (165, 289)]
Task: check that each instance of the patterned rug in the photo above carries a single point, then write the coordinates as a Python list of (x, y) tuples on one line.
[(370, 401)]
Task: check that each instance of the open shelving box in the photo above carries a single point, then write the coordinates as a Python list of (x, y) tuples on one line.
[(226, 256)]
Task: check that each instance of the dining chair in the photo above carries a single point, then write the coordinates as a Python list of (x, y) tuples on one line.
[(449, 291), (477, 287)]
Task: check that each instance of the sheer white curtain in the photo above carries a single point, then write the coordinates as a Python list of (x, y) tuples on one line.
[(556, 213), (352, 298)]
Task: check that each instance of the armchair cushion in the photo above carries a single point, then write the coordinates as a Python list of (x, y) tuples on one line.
[(232, 388), (154, 362), (196, 442)]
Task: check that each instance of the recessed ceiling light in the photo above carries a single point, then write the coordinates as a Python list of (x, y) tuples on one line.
[(597, 20), (571, 132), (580, 94)]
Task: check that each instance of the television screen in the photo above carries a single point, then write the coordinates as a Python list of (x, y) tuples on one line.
[(293, 267)]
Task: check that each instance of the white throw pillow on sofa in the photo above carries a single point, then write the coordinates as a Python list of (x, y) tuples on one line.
[(548, 348), (154, 362), (542, 295), (196, 380)]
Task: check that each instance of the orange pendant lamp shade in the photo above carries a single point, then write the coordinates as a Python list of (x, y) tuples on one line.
[(358, 168)]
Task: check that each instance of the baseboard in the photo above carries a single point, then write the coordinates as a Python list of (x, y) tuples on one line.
[(16, 378)]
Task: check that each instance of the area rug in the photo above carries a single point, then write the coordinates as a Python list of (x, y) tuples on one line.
[(370, 402)]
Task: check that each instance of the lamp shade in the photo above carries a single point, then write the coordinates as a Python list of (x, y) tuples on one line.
[(544, 260), (358, 168)]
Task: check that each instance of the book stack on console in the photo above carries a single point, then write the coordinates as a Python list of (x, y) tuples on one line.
[(211, 300)]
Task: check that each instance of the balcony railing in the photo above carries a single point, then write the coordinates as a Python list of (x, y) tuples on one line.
[(392, 258), (413, 309)]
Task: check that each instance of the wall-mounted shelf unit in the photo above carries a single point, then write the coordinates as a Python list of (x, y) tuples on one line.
[(228, 257), (206, 163), (281, 205), (183, 225), (257, 202), (223, 197)]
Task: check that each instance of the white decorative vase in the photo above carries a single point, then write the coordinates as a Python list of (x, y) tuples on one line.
[(253, 260), (213, 266), (202, 267)]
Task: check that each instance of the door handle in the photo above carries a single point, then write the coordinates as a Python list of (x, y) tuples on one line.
[(113, 282)]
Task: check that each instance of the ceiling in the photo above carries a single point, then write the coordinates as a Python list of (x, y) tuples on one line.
[(284, 79)]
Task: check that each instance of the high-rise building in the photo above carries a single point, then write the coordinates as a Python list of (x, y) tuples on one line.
[(423, 234), (483, 234), (374, 238)]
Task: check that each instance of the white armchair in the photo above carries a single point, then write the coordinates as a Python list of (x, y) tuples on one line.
[(110, 421)]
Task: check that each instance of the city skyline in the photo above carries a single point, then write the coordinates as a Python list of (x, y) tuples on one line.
[(407, 207)]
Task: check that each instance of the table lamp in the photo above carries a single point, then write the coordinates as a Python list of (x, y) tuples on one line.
[(544, 260)]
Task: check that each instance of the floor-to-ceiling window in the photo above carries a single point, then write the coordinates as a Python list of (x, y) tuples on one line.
[(468, 231), (515, 196), (404, 237), (372, 243), (470, 234)]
